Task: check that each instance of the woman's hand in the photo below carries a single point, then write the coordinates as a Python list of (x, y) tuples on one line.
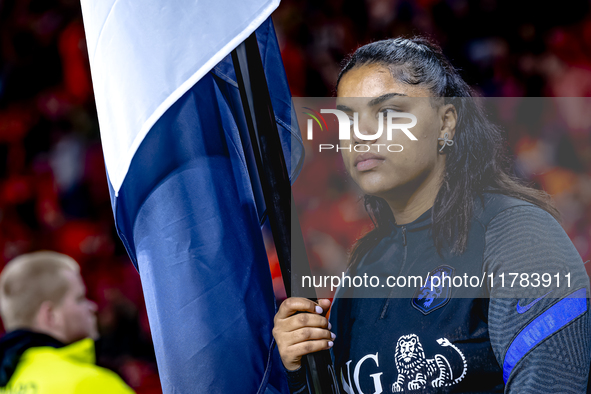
[(302, 333)]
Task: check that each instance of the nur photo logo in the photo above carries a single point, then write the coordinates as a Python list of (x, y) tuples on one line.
[(394, 121)]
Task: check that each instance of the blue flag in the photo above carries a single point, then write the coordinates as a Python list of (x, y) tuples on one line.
[(184, 206)]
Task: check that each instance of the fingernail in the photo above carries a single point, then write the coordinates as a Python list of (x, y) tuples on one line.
[(330, 343), (329, 325), (318, 309), (332, 335)]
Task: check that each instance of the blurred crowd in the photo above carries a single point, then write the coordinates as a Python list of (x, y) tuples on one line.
[(53, 190), (502, 48)]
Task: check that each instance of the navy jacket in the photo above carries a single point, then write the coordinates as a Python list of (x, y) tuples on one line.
[(515, 318)]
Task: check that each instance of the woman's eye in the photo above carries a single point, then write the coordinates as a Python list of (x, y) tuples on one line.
[(387, 110), (393, 113)]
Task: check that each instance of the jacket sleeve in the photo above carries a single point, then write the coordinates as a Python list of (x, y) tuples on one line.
[(297, 381), (539, 322)]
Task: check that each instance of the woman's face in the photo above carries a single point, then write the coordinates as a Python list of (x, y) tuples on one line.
[(383, 173)]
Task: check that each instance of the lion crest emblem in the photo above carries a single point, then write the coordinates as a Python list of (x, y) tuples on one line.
[(416, 372), (436, 292)]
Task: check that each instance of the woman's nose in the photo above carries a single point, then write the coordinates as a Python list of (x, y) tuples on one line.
[(367, 130)]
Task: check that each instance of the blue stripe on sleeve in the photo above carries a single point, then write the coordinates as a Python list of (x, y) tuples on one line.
[(549, 322)]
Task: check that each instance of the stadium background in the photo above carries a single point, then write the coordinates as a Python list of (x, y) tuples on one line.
[(53, 191)]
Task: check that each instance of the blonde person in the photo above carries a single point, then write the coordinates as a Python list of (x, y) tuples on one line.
[(51, 327)]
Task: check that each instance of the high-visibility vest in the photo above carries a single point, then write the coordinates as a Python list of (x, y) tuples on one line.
[(66, 370)]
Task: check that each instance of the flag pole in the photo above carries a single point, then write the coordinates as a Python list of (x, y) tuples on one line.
[(272, 171)]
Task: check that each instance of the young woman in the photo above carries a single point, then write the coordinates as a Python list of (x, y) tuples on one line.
[(446, 205)]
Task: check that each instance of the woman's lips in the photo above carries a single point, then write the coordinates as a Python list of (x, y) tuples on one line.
[(367, 165), (368, 161)]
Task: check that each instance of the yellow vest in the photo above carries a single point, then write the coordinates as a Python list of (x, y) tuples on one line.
[(67, 370)]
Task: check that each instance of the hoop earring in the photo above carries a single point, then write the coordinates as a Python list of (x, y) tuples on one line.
[(446, 141)]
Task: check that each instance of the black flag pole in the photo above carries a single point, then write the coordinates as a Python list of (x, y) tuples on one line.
[(274, 179)]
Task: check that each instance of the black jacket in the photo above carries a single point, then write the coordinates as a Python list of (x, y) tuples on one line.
[(503, 326)]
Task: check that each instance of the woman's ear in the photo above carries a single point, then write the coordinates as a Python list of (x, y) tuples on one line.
[(449, 119)]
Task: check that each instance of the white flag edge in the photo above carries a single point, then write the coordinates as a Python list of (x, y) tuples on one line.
[(117, 175)]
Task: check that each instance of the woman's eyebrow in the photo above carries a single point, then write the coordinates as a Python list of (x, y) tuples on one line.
[(344, 108), (384, 97), (375, 101)]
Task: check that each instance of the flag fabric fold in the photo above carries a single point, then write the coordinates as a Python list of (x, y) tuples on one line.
[(185, 205)]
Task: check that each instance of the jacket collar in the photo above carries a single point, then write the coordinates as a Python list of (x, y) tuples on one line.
[(14, 344), (420, 223), (81, 351)]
